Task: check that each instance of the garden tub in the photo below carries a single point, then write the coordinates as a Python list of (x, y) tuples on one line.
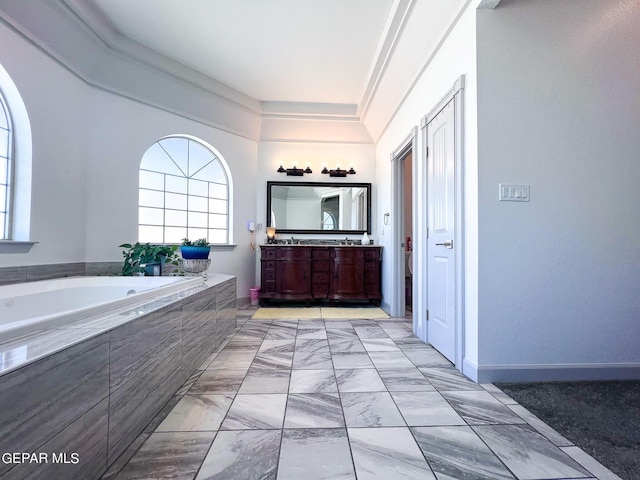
[(33, 306), (92, 360)]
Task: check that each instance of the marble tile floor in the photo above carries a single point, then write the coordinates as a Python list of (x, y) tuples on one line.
[(362, 398)]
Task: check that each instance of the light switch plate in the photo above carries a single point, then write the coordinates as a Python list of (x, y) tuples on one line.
[(513, 193)]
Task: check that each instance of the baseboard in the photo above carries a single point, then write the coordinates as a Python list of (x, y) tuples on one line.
[(555, 373), (470, 369), (242, 302), (386, 307)]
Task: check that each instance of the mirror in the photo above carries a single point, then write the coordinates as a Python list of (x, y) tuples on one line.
[(319, 207)]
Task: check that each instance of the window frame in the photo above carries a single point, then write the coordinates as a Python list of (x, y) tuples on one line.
[(187, 211), (9, 164)]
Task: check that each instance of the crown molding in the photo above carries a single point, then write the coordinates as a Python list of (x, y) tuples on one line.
[(93, 20), (395, 24), (314, 110), (426, 65), (490, 4), (81, 39)]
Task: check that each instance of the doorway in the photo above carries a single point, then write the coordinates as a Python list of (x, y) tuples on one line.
[(407, 163), (403, 200)]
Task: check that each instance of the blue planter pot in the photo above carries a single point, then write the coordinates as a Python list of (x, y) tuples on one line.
[(194, 253)]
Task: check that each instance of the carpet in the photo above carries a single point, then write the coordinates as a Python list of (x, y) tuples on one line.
[(306, 313), (602, 418)]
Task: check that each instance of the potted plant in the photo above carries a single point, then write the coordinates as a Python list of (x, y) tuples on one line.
[(195, 250), (141, 258)]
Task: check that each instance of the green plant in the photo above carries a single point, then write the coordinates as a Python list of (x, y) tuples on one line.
[(201, 242), (145, 253)]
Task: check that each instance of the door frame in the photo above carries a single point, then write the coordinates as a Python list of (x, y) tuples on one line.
[(456, 95), (397, 304)]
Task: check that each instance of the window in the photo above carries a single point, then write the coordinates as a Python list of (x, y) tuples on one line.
[(185, 191), (330, 208), (6, 170), (15, 166), (328, 221)]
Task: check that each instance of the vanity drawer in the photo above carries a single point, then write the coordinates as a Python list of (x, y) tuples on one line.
[(320, 266), (321, 253), (293, 253), (371, 266), (268, 253), (320, 277), (371, 277), (269, 275), (269, 264), (372, 254), (320, 290), (348, 253)]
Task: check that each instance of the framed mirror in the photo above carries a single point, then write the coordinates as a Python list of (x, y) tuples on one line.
[(319, 207)]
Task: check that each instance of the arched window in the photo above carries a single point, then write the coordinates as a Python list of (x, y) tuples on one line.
[(328, 221), (185, 191), (15, 164), (6, 170)]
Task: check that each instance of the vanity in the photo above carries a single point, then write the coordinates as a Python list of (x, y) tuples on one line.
[(321, 272), (305, 270)]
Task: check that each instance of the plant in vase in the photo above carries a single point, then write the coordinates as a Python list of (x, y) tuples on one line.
[(195, 256), (141, 258), (195, 250)]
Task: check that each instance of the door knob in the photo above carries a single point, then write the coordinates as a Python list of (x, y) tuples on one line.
[(447, 244)]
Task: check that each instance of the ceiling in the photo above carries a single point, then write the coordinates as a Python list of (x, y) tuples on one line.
[(275, 50), (301, 52)]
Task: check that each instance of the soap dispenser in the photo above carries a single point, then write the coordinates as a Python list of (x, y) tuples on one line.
[(365, 239)]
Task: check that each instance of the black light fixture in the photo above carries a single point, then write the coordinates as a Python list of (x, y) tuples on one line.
[(295, 171), (338, 172)]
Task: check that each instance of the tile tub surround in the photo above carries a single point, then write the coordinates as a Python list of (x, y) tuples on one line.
[(325, 415), (93, 387), (32, 273)]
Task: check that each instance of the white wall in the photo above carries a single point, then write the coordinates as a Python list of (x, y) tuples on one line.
[(121, 132), (559, 109), (55, 101), (87, 147), (271, 154), (455, 57), (304, 213)]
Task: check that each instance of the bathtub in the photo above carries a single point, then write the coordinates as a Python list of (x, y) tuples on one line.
[(93, 385), (33, 306)]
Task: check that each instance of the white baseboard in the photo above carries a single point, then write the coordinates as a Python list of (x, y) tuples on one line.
[(470, 369), (552, 373), (385, 307)]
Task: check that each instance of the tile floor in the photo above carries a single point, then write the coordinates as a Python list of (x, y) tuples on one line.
[(343, 399)]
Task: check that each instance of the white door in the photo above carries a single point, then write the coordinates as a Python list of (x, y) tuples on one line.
[(441, 282)]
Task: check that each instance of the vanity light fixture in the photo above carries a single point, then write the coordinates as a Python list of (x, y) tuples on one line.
[(295, 171), (338, 172)]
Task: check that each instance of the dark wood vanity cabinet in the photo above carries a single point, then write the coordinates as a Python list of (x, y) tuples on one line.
[(347, 273), (319, 272), (293, 273)]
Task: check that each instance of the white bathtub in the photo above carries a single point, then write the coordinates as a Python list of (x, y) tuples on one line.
[(32, 306)]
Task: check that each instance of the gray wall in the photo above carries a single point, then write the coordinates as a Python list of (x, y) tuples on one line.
[(559, 109)]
